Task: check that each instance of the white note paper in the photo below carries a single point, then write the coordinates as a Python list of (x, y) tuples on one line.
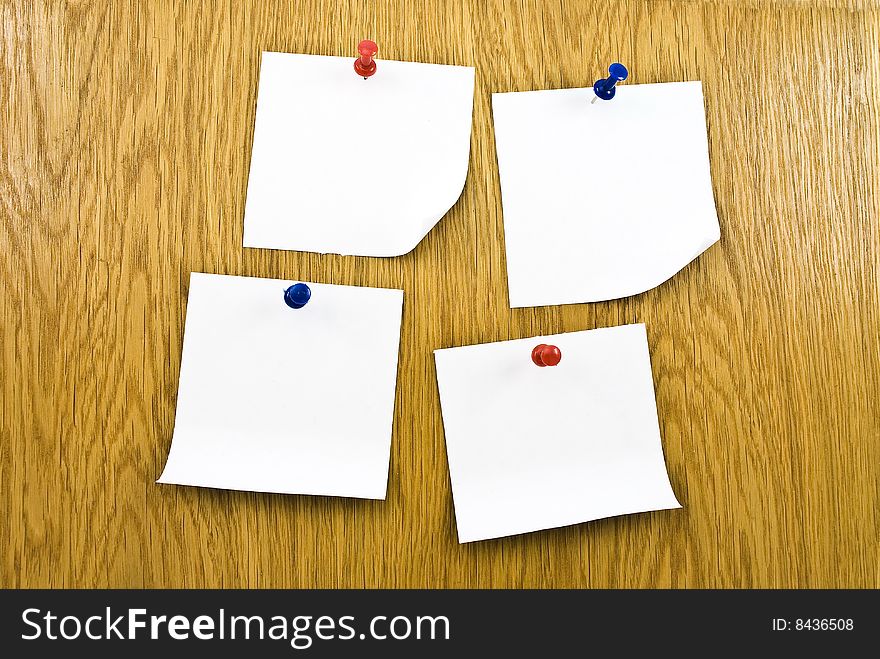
[(603, 200), (533, 448), (345, 165), (274, 399)]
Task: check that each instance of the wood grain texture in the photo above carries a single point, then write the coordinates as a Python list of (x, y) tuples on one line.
[(126, 132)]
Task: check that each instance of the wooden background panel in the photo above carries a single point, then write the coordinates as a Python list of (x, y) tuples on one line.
[(126, 131)]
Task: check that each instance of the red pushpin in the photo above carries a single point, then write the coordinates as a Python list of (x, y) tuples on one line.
[(364, 65), (544, 355)]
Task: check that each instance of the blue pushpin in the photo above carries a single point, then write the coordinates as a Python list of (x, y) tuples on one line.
[(297, 296), (605, 88)]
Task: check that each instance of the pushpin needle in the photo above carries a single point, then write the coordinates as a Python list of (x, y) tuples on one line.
[(604, 88)]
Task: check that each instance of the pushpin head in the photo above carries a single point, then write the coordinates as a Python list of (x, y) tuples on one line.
[(297, 296), (606, 87), (364, 65), (546, 355)]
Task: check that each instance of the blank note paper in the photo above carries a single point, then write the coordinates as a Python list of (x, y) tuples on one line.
[(274, 399), (533, 448), (602, 200), (345, 165)]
